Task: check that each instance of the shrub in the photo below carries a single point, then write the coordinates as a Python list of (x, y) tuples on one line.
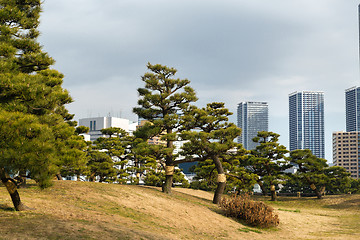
[(202, 185), (252, 212)]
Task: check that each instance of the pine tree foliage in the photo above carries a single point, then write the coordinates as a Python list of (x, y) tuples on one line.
[(268, 161), (316, 173), (26, 146), (162, 100), (150, 161), (145, 165), (210, 137), (310, 169), (338, 180), (29, 89), (73, 160), (101, 167), (114, 145)]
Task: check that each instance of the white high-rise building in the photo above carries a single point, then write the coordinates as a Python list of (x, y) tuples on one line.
[(306, 122), (252, 117)]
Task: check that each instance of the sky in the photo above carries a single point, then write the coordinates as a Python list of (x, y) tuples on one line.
[(230, 50)]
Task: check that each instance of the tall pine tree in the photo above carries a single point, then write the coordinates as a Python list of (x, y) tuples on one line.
[(212, 139), (161, 102), (267, 160), (30, 93)]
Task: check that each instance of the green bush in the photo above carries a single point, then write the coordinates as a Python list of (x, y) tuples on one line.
[(252, 212), (202, 185), (154, 179)]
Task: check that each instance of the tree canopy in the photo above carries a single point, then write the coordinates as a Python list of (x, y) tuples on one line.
[(267, 160), (213, 136), (162, 100), (31, 93)]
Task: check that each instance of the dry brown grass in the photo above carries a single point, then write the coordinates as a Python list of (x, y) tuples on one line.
[(254, 213), (83, 210)]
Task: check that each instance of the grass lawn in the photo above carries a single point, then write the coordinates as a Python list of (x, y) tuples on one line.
[(84, 210)]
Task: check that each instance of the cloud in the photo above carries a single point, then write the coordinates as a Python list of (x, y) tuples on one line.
[(231, 50)]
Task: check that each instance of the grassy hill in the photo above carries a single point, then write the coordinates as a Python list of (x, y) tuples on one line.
[(83, 210)]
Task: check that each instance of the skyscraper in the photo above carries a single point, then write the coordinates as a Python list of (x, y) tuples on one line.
[(252, 117), (306, 122), (352, 105)]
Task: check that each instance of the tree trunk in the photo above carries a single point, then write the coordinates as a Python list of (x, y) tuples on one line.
[(138, 176), (317, 192), (218, 192), (273, 193), (262, 187), (322, 190), (12, 189), (221, 179), (169, 172), (166, 188), (169, 167), (58, 176), (22, 179)]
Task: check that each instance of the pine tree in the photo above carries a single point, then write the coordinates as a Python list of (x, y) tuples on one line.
[(267, 161), (101, 167), (72, 160), (115, 144), (316, 173), (30, 92), (211, 140), (161, 102)]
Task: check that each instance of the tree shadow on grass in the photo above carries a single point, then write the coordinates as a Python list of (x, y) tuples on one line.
[(6, 208), (351, 203), (203, 201), (284, 198), (27, 185)]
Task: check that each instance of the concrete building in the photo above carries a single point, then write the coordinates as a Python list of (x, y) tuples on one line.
[(306, 122), (252, 117), (346, 151), (352, 107), (97, 123)]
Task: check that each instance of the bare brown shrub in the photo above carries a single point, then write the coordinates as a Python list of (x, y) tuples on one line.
[(252, 212)]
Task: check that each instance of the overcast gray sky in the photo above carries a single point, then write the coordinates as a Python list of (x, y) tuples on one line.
[(230, 50)]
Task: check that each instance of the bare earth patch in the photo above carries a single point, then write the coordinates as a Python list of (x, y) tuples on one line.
[(83, 210)]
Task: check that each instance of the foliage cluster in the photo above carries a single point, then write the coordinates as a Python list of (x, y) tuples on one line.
[(39, 135), (254, 213)]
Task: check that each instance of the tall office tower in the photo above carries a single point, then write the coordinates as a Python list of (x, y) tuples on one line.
[(252, 117), (352, 105), (346, 152), (306, 122)]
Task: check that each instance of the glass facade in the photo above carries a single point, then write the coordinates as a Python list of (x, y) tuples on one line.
[(352, 106), (306, 122), (252, 117)]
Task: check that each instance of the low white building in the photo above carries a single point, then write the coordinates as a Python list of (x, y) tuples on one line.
[(95, 125)]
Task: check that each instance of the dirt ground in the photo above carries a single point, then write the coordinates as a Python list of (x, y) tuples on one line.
[(311, 222), (80, 210)]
